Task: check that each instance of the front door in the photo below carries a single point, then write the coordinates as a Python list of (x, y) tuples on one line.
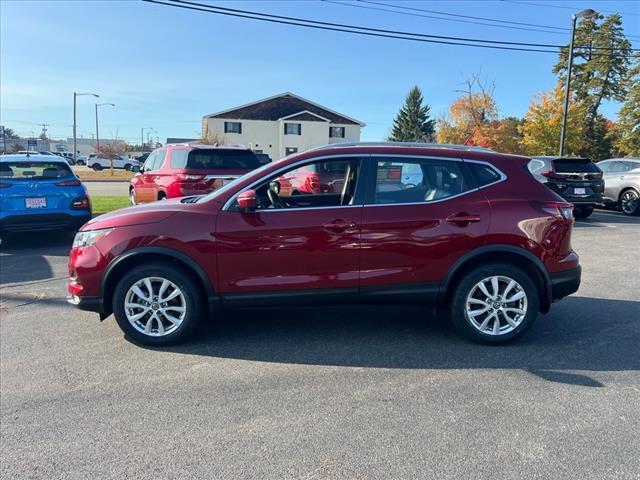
[(293, 248), (419, 218)]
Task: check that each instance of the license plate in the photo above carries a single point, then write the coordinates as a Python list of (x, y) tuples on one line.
[(38, 202), (580, 191)]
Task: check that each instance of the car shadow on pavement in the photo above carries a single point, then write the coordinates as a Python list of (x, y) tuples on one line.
[(579, 334), (23, 256)]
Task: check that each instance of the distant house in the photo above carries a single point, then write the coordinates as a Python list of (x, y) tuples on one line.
[(281, 125)]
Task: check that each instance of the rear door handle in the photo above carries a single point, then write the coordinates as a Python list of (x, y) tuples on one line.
[(339, 226), (463, 218)]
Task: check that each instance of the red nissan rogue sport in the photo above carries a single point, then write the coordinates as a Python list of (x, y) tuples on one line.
[(180, 170), (463, 228)]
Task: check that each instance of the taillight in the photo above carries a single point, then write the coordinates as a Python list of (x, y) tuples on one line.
[(314, 181), (69, 183), (596, 175), (559, 210), (5, 185), (189, 177), (552, 174), (81, 204)]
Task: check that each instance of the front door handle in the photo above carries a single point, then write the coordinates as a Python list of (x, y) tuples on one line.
[(339, 226), (463, 218)]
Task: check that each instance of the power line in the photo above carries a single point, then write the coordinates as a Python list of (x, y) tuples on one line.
[(340, 28), (566, 8), (366, 7), (465, 16), (367, 31)]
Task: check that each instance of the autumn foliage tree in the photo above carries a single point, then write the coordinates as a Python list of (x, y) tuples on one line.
[(627, 131), (111, 151), (542, 124)]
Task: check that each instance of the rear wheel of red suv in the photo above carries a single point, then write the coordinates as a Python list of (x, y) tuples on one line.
[(494, 303), (157, 304)]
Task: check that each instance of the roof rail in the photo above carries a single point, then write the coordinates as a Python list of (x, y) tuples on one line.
[(404, 144)]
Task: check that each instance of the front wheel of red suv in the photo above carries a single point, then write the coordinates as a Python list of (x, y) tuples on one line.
[(494, 303), (157, 304)]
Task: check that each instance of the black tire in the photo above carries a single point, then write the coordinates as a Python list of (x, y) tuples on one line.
[(465, 286), (162, 196), (127, 167), (189, 288), (582, 212), (627, 196), (97, 167), (132, 197)]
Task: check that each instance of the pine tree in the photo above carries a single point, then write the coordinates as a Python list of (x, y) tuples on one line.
[(413, 124)]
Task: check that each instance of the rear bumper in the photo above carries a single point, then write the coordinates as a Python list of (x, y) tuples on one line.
[(565, 283), (21, 222)]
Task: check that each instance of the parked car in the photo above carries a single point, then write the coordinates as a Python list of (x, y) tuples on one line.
[(142, 158), (98, 163), (622, 184), (263, 158), (40, 192), (181, 170), (577, 180), (474, 232)]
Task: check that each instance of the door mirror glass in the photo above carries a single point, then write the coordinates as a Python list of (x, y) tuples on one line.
[(247, 201)]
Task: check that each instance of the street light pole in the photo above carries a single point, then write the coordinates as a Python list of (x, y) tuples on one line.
[(75, 140), (97, 133), (567, 87), (142, 138)]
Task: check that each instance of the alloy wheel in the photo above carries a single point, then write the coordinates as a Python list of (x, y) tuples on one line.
[(155, 306), (629, 202), (496, 305)]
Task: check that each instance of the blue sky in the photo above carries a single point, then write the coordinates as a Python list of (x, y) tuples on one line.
[(165, 67)]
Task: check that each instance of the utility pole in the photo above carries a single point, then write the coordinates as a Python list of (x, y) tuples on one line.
[(584, 13), (75, 140), (142, 138), (44, 130)]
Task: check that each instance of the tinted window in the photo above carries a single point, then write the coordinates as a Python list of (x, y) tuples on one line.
[(418, 180), (222, 159), (34, 170), (575, 166), (485, 174)]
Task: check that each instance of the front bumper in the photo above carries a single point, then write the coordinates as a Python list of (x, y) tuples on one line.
[(565, 283)]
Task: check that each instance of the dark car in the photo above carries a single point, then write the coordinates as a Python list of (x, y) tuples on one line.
[(577, 180), (180, 170), (468, 230)]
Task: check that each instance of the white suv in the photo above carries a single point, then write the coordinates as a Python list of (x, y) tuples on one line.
[(98, 163)]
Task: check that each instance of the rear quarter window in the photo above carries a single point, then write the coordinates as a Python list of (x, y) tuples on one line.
[(483, 174)]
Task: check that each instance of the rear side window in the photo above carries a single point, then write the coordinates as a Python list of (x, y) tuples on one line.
[(34, 170), (217, 159), (483, 174), (575, 166), (414, 180)]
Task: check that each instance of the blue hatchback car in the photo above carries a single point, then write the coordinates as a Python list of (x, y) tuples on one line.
[(40, 192)]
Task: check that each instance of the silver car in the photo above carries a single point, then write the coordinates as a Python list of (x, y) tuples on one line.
[(622, 184)]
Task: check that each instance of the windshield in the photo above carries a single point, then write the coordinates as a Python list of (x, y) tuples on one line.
[(34, 170), (215, 159), (231, 185)]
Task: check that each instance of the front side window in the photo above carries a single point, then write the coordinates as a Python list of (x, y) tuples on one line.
[(336, 132), (419, 180), (159, 160), (232, 127), (148, 163), (326, 183), (292, 129)]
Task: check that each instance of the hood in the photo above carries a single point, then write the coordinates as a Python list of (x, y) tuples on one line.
[(138, 215)]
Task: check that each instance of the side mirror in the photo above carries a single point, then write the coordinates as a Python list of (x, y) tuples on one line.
[(136, 169), (247, 201)]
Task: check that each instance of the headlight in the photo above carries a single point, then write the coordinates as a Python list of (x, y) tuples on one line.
[(89, 237)]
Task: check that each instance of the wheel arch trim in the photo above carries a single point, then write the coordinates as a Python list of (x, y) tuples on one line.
[(464, 261)]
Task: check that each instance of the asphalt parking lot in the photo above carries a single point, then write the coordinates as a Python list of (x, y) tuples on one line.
[(324, 393)]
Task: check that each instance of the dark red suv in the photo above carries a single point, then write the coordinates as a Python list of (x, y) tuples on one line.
[(181, 170), (462, 228)]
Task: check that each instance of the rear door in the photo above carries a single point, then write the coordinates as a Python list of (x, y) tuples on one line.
[(420, 216)]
